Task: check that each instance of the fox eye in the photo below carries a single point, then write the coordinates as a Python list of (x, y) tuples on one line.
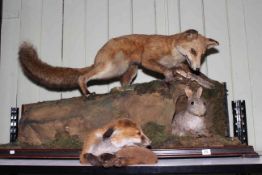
[(139, 133), (193, 51), (192, 103)]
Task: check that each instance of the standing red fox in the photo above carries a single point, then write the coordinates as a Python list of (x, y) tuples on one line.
[(120, 57)]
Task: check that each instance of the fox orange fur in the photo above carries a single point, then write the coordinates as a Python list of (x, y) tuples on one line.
[(128, 155), (120, 57), (112, 138), (135, 155)]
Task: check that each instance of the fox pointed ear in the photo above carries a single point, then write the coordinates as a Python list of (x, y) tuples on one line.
[(199, 92), (189, 92), (191, 34), (211, 43), (108, 133)]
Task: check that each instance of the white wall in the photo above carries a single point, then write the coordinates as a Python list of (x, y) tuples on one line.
[(69, 33)]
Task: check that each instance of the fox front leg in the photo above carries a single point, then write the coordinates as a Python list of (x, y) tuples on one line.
[(169, 76), (153, 65), (129, 75)]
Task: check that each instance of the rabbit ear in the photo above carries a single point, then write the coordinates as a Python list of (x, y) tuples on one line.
[(188, 92), (199, 92)]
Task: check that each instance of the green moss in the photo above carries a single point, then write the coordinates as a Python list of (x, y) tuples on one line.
[(156, 133), (153, 86), (10, 145), (64, 141), (216, 98)]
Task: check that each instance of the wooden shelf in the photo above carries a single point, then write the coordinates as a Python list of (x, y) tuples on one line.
[(189, 152)]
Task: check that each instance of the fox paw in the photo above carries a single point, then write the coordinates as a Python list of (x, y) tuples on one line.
[(169, 76), (120, 161), (93, 160), (107, 159)]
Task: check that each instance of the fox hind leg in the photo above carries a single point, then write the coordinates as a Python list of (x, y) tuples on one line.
[(82, 85), (93, 73), (101, 72)]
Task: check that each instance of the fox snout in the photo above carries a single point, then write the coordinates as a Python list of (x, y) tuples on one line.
[(194, 65), (196, 71)]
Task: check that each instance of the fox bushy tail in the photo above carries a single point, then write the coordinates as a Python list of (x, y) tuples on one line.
[(54, 78)]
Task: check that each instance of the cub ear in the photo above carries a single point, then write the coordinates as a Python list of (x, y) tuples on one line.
[(191, 34), (189, 92), (108, 133), (210, 43)]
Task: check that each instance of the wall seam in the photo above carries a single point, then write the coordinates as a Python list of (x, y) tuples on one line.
[(204, 29), (62, 38), (131, 16), (230, 48), (18, 72), (249, 68), (179, 15)]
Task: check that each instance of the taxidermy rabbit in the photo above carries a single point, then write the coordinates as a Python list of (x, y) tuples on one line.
[(191, 122)]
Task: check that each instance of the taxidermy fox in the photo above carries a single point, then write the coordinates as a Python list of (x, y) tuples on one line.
[(120, 57), (111, 138), (191, 121)]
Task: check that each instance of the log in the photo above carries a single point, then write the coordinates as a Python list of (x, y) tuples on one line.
[(152, 105)]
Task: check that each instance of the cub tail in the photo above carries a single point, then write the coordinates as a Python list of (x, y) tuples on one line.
[(53, 78)]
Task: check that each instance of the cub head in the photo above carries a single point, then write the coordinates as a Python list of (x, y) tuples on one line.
[(126, 133), (193, 46)]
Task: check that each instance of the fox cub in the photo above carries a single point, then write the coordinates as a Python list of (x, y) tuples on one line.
[(105, 146), (121, 57)]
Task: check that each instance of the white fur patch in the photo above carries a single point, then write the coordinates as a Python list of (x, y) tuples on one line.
[(126, 142), (99, 134), (195, 123), (104, 74), (116, 67), (170, 61), (104, 147)]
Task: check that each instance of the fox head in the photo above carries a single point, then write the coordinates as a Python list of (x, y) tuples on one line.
[(126, 133), (193, 46)]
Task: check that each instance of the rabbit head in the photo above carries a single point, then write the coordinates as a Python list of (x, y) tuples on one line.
[(195, 104)]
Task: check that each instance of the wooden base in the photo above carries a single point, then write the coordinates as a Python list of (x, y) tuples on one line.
[(232, 151)]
